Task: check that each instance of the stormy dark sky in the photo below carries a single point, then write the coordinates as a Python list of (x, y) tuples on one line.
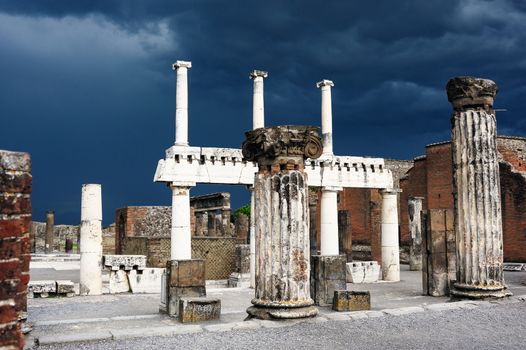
[(87, 88)]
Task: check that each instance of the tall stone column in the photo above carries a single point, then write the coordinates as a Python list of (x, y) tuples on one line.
[(415, 229), (91, 240), (258, 104), (326, 115), (50, 231), (476, 189), (282, 220), (390, 244), (181, 238), (181, 102)]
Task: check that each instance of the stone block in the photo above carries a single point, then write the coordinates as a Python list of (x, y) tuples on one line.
[(119, 282), (239, 280), (346, 300), (65, 287), (149, 281), (174, 294), (41, 288), (186, 273), (327, 275), (124, 262), (243, 258), (362, 272), (199, 309)]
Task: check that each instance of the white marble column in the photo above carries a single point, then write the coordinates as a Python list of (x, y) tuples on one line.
[(252, 241), (390, 245), (181, 239), (329, 240), (91, 240), (326, 116), (181, 102), (258, 104)]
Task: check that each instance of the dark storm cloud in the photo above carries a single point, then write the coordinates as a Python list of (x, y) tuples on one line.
[(87, 87)]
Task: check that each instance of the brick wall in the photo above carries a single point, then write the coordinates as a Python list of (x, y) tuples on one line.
[(413, 184), (15, 218), (439, 176)]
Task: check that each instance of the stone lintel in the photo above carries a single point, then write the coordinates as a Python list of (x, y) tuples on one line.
[(258, 73), (470, 93), (324, 82), (179, 64)]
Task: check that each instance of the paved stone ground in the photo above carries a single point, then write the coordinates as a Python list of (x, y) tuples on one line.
[(119, 317)]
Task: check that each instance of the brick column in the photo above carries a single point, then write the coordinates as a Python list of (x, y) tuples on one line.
[(15, 219)]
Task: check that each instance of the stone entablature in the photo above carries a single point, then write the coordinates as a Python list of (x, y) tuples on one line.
[(192, 165)]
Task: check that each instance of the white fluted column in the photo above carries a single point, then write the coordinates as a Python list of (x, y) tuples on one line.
[(252, 241), (390, 244), (329, 240), (91, 240), (326, 116), (181, 239), (258, 103), (181, 102)]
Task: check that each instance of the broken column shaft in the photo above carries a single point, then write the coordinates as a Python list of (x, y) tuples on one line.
[(415, 229), (281, 217), (390, 243), (476, 189), (91, 240), (50, 231)]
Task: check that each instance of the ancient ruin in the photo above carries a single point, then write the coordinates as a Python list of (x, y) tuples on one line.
[(478, 218), (281, 220)]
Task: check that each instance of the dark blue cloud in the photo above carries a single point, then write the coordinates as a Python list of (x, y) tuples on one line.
[(88, 90)]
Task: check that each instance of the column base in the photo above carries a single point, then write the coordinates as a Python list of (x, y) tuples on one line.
[(284, 313), (466, 291)]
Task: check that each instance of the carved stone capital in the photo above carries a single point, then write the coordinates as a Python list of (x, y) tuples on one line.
[(470, 92), (281, 144), (258, 73), (178, 64), (324, 82)]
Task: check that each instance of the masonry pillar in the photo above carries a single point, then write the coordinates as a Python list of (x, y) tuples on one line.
[(252, 241), (181, 238), (326, 116), (181, 102), (91, 240), (390, 244), (50, 231), (476, 190), (258, 105), (415, 230), (282, 220)]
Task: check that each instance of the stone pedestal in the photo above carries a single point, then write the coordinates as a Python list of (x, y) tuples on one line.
[(415, 230), (241, 276), (346, 300), (91, 240), (281, 216), (476, 190), (327, 276), (184, 278)]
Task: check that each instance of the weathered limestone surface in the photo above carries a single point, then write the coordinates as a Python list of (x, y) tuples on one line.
[(65, 287), (119, 282), (390, 243), (241, 276), (199, 309), (91, 240), (149, 281), (282, 220), (327, 276), (415, 229), (184, 278), (363, 271), (124, 262), (476, 189), (42, 288), (347, 300)]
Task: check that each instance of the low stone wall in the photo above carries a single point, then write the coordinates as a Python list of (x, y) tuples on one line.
[(218, 253)]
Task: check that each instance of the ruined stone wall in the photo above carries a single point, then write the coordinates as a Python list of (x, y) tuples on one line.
[(15, 245), (61, 233), (431, 178)]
